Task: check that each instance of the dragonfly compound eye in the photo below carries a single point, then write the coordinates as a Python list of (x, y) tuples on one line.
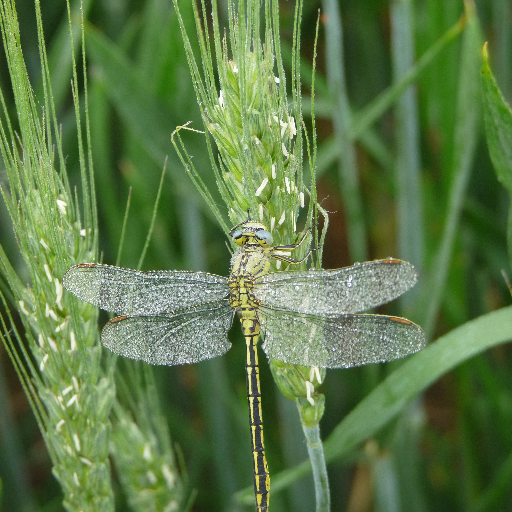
[(238, 237), (265, 236)]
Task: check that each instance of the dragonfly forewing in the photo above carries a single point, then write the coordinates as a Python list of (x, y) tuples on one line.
[(334, 292), (338, 342), (131, 292), (187, 337)]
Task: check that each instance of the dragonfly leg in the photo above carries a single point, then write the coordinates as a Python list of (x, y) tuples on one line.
[(291, 247)]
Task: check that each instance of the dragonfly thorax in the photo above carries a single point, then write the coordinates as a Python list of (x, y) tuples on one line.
[(248, 263)]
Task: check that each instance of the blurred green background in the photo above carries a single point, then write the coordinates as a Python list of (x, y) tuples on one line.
[(449, 451)]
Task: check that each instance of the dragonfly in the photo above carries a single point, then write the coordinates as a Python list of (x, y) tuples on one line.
[(308, 317)]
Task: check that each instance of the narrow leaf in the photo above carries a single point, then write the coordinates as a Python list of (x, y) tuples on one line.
[(498, 125)]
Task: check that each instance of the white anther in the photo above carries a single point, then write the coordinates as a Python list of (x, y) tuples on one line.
[(62, 206), (72, 337), (58, 292), (169, 476), (62, 326), (53, 345), (309, 390), (23, 309), (72, 400), (147, 452), (291, 126), (67, 390), (151, 477), (77, 442), (261, 187), (43, 362), (50, 313)]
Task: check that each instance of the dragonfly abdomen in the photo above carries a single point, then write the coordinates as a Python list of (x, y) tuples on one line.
[(248, 263), (260, 466)]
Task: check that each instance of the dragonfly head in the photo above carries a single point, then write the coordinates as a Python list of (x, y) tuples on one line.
[(250, 232)]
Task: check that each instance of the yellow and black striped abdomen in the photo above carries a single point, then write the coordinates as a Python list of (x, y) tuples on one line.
[(260, 469)]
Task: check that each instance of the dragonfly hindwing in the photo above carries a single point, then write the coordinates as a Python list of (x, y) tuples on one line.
[(338, 342), (186, 337)]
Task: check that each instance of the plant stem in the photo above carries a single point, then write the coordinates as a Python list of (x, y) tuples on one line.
[(316, 456)]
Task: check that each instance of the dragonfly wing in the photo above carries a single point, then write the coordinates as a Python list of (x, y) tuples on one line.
[(338, 342), (131, 292), (333, 292), (184, 338)]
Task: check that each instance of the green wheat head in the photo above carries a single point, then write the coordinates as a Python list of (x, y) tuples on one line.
[(259, 136), (57, 355)]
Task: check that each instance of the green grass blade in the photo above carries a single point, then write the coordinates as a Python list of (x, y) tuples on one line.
[(498, 129), (464, 143), (60, 60), (149, 119), (153, 217), (123, 229), (408, 179), (348, 173), (374, 110), (491, 498)]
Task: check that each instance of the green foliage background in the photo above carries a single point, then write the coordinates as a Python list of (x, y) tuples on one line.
[(449, 450)]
